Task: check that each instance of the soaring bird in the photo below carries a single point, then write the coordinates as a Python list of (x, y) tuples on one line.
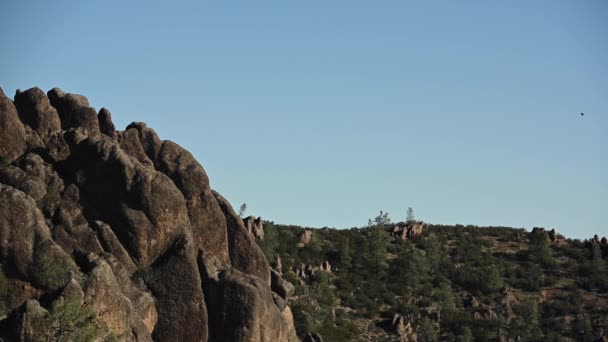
[(582, 114)]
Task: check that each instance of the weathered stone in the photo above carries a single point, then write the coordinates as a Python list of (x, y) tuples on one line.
[(245, 254), (106, 126), (325, 266), (130, 143), (103, 293), (35, 110), (278, 264), (74, 111), (12, 132), (26, 322), (129, 213), (208, 222), (312, 337), (254, 226), (144, 207), (18, 292), (279, 285), (176, 284), (17, 178), (415, 229), (148, 138), (243, 305), (111, 244), (22, 229), (304, 238)]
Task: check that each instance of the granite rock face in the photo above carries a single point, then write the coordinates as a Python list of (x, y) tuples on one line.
[(126, 225)]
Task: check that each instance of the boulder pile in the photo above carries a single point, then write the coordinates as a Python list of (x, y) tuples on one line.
[(304, 238), (127, 225), (409, 230)]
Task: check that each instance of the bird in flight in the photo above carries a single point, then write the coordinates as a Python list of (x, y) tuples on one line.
[(582, 114)]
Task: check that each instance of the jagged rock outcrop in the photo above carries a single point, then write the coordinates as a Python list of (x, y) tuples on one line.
[(74, 111), (312, 337), (280, 286), (402, 327), (12, 132), (278, 264), (35, 110), (255, 226), (470, 301), (245, 254), (106, 126), (304, 238), (243, 305), (410, 230), (507, 301), (325, 266), (128, 226)]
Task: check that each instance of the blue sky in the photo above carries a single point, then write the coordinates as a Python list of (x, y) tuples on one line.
[(322, 113)]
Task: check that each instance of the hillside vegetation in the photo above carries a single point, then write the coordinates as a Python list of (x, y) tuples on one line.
[(456, 283)]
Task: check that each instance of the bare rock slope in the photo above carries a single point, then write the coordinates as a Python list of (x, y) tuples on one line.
[(127, 226)]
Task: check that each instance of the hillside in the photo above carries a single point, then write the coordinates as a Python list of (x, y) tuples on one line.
[(109, 235), (411, 281)]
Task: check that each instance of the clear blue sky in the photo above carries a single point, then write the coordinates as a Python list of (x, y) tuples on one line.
[(322, 113)]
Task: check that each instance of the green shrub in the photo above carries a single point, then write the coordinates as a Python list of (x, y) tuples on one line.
[(3, 161), (53, 273), (68, 320)]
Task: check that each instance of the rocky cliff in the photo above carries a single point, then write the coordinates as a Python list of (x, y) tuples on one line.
[(126, 226)]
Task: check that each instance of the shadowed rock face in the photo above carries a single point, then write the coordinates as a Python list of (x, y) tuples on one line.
[(35, 110), (12, 132), (131, 227)]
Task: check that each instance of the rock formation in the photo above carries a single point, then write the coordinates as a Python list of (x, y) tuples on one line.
[(313, 337), (255, 226), (126, 225), (304, 238), (278, 264), (402, 327), (410, 230)]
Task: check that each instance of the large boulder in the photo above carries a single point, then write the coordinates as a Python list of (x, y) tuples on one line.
[(281, 286), (254, 226), (243, 305), (245, 254), (19, 179), (22, 230), (143, 206), (12, 132), (103, 293), (35, 110), (209, 228), (304, 238), (415, 229), (106, 126), (131, 144), (208, 222), (74, 111), (25, 323), (174, 279)]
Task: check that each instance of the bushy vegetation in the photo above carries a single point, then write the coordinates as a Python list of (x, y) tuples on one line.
[(69, 320), (52, 272), (461, 283), (3, 161)]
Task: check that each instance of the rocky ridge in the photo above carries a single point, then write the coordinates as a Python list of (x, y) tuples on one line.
[(124, 224)]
